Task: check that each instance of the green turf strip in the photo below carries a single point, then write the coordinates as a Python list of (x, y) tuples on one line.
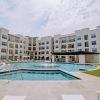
[(94, 72)]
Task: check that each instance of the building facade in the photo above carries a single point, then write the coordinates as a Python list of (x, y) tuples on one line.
[(81, 40), (18, 47)]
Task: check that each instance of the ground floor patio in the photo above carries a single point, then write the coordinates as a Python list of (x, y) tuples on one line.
[(49, 90)]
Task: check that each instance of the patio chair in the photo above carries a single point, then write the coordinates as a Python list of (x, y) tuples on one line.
[(14, 98), (73, 97)]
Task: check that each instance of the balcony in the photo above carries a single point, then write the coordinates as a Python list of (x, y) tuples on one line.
[(10, 40), (34, 44), (86, 44), (16, 41), (29, 44), (72, 40), (85, 37), (64, 41)]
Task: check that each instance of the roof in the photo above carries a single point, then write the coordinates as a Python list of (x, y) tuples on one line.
[(74, 53)]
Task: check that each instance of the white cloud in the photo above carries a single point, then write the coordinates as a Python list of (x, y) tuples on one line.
[(64, 16)]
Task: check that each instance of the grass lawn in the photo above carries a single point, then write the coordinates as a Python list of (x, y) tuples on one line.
[(94, 72)]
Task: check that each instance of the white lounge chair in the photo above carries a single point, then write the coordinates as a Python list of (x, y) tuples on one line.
[(73, 97), (98, 92), (14, 98)]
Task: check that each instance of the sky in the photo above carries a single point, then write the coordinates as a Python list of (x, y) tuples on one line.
[(48, 17)]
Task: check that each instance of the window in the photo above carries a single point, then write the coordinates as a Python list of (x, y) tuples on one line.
[(4, 43), (86, 44), (43, 47), (63, 46), (42, 52), (11, 45), (16, 45), (79, 49), (24, 42), (16, 51), (43, 43), (79, 38), (79, 44), (56, 41), (20, 46), (63, 50), (93, 42), (56, 46), (29, 48), (62, 56), (4, 36), (34, 44), (94, 49), (72, 40), (63, 41), (47, 47), (30, 44), (70, 45), (3, 57), (47, 52), (35, 53), (85, 37), (87, 50), (20, 51), (34, 48), (39, 43), (3, 50), (93, 35), (47, 42), (39, 48), (10, 51)]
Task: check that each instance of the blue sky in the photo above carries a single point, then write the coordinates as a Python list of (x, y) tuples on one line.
[(48, 17)]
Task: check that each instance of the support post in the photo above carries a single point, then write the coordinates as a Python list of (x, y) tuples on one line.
[(67, 60), (81, 59), (53, 59)]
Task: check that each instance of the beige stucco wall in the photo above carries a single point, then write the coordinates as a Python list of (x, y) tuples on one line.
[(92, 58)]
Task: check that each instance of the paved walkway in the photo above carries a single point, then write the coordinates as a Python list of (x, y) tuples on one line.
[(49, 90)]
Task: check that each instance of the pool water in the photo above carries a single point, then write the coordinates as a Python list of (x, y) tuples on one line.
[(41, 71), (37, 75), (42, 65)]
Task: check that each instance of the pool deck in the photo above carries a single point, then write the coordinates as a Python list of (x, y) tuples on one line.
[(52, 90)]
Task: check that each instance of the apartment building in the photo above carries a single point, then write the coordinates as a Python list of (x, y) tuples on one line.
[(18, 47), (15, 47), (81, 40), (12, 47), (45, 48), (31, 47)]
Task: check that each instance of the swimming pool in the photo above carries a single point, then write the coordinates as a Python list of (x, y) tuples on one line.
[(24, 74), (41, 71), (43, 65)]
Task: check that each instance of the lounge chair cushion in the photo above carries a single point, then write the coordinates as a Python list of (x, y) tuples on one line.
[(14, 98), (73, 97)]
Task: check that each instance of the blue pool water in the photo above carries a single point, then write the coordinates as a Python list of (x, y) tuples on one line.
[(43, 65), (37, 75), (42, 71)]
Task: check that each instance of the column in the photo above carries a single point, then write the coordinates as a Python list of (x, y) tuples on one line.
[(81, 59), (67, 59), (53, 58)]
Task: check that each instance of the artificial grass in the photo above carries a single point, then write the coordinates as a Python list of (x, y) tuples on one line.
[(94, 72)]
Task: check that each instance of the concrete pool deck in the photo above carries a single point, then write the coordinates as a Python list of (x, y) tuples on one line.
[(52, 90)]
